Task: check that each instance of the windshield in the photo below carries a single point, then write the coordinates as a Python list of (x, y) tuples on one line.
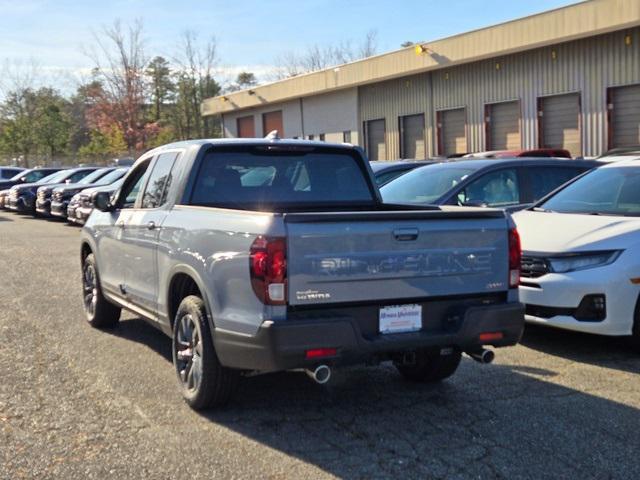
[(111, 177), (92, 177), (54, 177), (257, 178), (605, 191), (424, 184)]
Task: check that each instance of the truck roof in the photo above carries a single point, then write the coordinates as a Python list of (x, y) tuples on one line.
[(251, 141)]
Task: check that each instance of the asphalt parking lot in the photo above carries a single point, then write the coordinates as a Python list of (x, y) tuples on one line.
[(79, 403)]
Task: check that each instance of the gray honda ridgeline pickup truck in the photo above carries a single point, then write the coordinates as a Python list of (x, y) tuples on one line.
[(267, 255)]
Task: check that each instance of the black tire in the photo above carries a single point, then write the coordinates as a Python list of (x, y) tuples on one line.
[(203, 381), (100, 313), (430, 366)]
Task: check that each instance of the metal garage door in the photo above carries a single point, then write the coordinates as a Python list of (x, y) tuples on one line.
[(412, 137), (246, 127), (503, 126), (272, 121), (624, 116), (560, 120), (452, 131), (376, 145)]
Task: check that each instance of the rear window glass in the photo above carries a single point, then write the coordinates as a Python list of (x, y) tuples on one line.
[(258, 178)]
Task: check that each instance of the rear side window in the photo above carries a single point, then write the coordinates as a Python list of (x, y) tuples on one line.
[(546, 179), (257, 178), (155, 194)]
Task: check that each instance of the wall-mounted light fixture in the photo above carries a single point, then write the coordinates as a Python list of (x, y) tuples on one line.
[(422, 49), (628, 40), (498, 66), (251, 92), (224, 98), (554, 55)]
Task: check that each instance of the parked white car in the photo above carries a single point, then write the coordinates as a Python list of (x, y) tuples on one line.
[(581, 254)]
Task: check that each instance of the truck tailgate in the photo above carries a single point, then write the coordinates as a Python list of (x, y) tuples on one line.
[(383, 256)]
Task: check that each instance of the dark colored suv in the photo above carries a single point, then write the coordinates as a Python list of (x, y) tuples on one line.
[(510, 184)]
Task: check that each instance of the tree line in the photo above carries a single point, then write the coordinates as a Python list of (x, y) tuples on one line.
[(130, 102)]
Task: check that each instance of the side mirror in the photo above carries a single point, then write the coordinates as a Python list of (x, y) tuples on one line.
[(102, 201)]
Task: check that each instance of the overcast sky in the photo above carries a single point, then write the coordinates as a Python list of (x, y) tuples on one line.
[(250, 33)]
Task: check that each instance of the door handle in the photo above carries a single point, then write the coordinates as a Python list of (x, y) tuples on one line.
[(405, 234), (151, 225)]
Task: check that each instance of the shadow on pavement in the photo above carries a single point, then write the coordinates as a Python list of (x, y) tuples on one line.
[(610, 352), (495, 421)]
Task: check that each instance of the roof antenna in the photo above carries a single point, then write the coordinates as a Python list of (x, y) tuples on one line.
[(272, 135)]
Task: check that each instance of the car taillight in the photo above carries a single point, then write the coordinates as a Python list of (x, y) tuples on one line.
[(268, 265), (515, 257)]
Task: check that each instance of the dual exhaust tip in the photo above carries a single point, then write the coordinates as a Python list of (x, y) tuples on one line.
[(322, 373)]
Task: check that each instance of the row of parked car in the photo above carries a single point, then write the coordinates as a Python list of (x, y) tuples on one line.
[(59, 192)]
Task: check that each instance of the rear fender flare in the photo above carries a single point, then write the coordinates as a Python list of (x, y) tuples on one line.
[(191, 272)]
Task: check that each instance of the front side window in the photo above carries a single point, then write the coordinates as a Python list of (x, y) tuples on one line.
[(133, 185), (155, 194), (495, 189), (258, 178)]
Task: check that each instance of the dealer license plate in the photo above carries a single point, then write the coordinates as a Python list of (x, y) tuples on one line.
[(400, 318)]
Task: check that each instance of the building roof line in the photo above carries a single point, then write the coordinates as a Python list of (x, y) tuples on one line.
[(560, 25)]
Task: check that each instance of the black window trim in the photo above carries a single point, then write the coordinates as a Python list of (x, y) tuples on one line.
[(152, 165), (128, 180)]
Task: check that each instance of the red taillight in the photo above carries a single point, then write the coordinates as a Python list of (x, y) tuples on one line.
[(321, 352), (490, 336), (515, 257), (268, 266)]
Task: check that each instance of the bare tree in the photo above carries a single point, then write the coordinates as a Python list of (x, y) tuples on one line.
[(318, 57), (196, 65), (119, 60)]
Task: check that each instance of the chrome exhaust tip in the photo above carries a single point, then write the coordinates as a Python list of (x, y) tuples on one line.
[(482, 356), (320, 375)]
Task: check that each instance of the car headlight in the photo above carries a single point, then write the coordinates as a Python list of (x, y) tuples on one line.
[(583, 261)]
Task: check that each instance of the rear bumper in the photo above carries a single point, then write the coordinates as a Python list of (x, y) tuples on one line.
[(283, 345)]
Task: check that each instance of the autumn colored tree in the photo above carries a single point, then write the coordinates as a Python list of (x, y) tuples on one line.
[(120, 68)]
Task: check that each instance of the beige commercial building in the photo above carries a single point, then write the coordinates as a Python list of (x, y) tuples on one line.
[(567, 78)]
